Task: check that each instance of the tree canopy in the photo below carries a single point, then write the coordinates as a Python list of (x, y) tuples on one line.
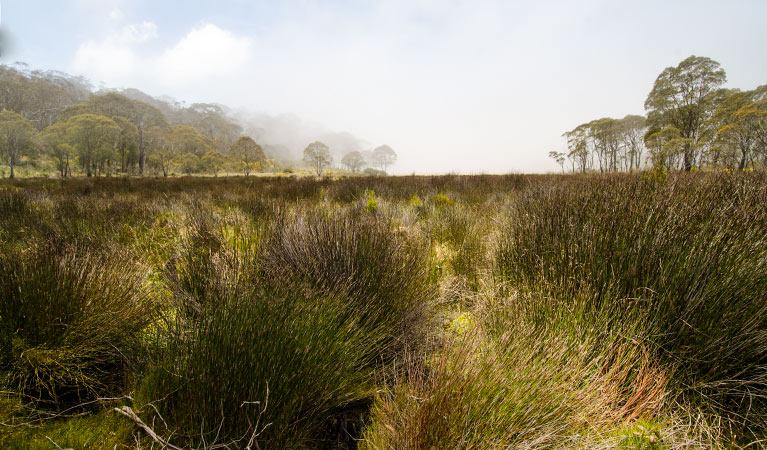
[(17, 137), (317, 154)]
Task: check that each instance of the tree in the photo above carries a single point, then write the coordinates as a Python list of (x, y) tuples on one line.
[(666, 146), (559, 158), (189, 140), (250, 154), (353, 161), (318, 156), (685, 97), (190, 163), (161, 149), (577, 144), (384, 156), (54, 140), (213, 161), (141, 114), (126, 141), (739, 120), (17, 138), (89, 134), (633, 129)]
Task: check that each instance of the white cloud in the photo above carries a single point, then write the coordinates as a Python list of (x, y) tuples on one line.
[(113, 59), (205, 52), (116, 14), (137, 33)]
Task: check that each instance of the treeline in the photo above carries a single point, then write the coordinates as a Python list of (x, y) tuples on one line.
[(51, 119), (691, 123)]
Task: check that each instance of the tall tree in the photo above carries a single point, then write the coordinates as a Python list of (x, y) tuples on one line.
[(633, 129), (739, 120), (577, 144), (250, 154), (559, 157), (684, 97), (54, 139), (127, 141), (92, 135), (318, 156), (213, 161), (160, 147), (141, 114), (353, 161), (17, 138), (384, 156)]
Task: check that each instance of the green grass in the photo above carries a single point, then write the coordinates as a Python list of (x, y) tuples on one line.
[(69, 323), (477, 312)]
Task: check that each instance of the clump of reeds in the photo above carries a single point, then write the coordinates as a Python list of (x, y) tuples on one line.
[(690, 251), (70, 323)]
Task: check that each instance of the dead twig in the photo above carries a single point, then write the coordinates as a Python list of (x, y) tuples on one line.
[(129, 413)]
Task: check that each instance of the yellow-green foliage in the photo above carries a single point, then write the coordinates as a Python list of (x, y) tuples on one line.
[(372, 204), (442, 200)]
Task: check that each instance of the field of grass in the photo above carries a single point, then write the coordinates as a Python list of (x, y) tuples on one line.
[(448, 312)]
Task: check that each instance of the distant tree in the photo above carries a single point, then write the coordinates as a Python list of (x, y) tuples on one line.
[(384, 156), (126, 141), (353, 161), (249, 153), (187, 139), (162, 152), (90, 134), (190, 163), (739, 120), (17, 138), (559, 158), (666, 146), (685, 97), (633, 129), (577, 144), (141, 114), (318, 156), (213, 161), (54, 140)]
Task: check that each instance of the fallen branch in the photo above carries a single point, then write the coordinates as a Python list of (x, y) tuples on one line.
[(128, 412)]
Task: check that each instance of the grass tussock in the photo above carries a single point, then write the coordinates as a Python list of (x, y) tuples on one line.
[(689, 252), (70, 323)]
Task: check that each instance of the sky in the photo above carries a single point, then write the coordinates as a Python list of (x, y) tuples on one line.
[(478, 86)]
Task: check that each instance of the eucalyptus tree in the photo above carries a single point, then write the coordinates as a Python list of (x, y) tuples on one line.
[(560, 158), (54, 139), (633, 129), (93, 136), (141, 114), (740, 121), (384, 156), (353, 161), (317, 154), (17, 138), (251, 156), (685, 97)]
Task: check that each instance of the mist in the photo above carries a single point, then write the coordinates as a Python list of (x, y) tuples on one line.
[(462, 87)]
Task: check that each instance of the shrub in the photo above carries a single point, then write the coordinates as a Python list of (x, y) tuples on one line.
[(372, 205), (70, 323)]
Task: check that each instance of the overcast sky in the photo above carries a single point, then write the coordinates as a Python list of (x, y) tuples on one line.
[(453, 86)]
